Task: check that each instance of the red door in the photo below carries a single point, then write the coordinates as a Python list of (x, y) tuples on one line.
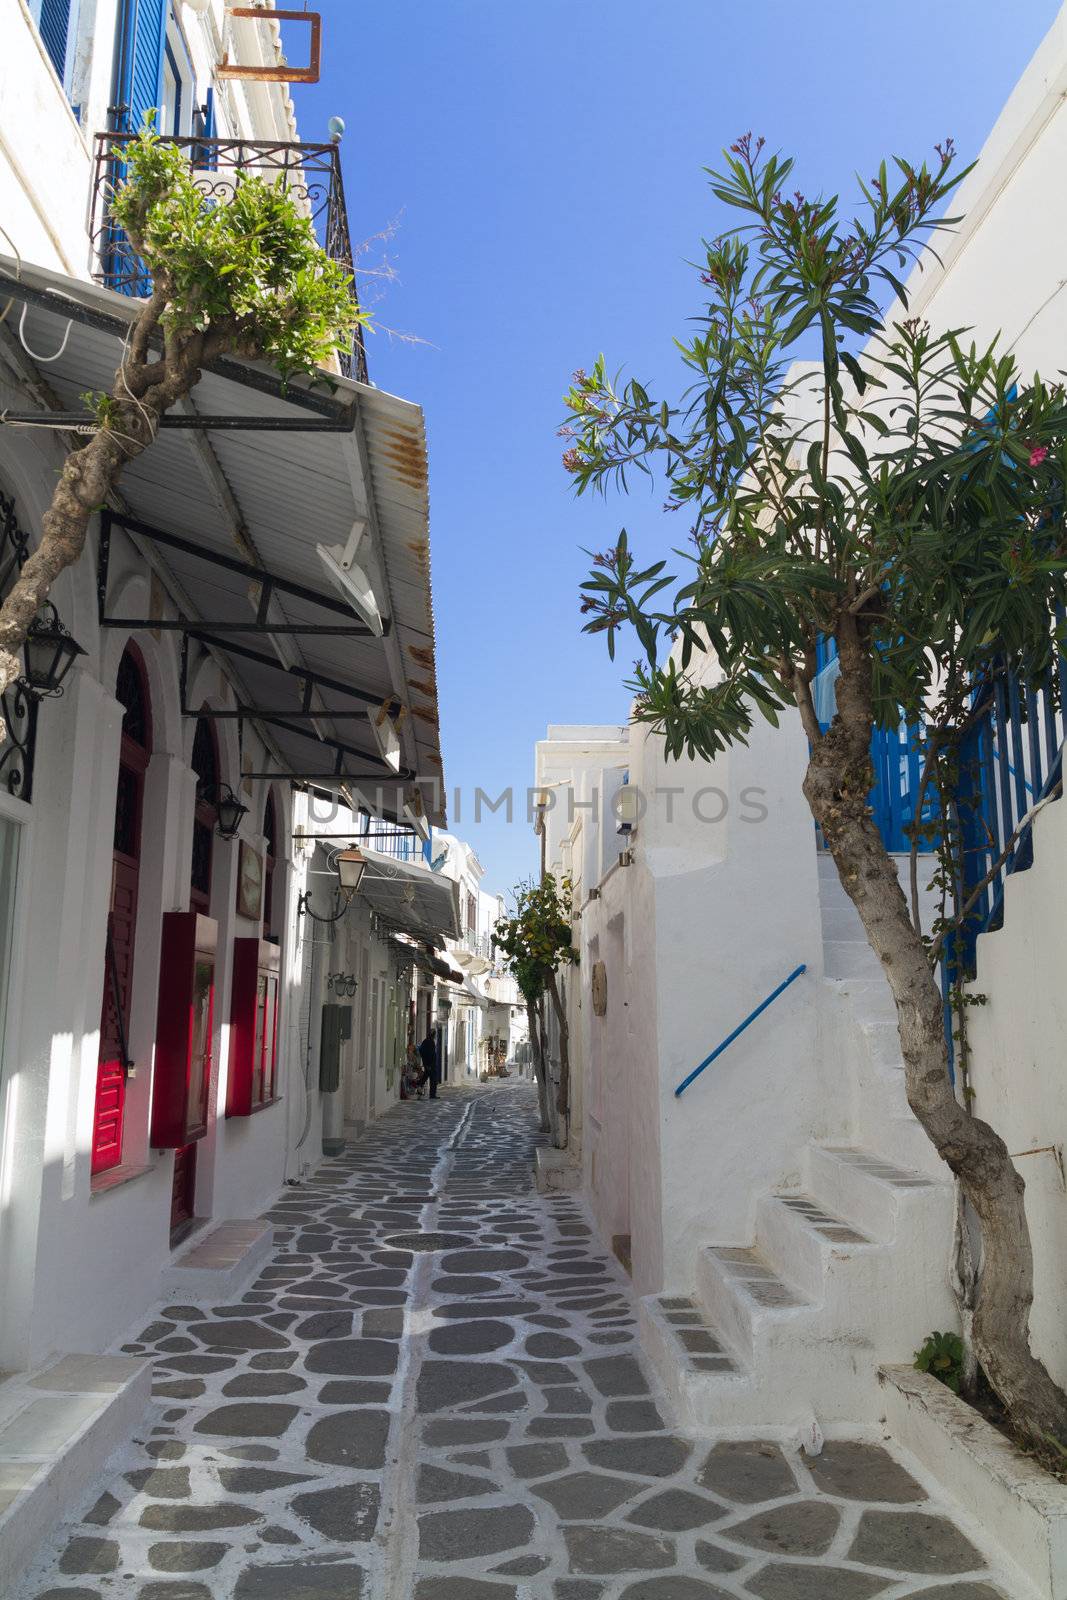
[(131, 690)]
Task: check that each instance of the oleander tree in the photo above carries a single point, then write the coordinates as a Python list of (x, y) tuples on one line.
[(243, 276), (900, 496), (537, 945)]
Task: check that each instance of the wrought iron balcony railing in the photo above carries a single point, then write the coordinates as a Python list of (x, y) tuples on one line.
[(311, 173)]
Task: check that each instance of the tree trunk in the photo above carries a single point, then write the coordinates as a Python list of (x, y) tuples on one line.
[(540, 1066), (836, 786), (551, 1099), (551, 1096), (563, 1097)]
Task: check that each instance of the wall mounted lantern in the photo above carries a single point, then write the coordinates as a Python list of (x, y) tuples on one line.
[(350, 866), (342, 983), (50, 654), (228, 808)]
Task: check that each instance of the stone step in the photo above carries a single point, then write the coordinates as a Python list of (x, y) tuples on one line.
[(796, 1233), (884, 1198), (220, 1265), (859, 1030), (707, 1386), (841, 921), (868, 994), (58, 1426), (744, 1299), (850, 958), (696, 1344)]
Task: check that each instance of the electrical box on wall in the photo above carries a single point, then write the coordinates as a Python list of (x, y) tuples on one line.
[(185, 1020), (251, 1082)]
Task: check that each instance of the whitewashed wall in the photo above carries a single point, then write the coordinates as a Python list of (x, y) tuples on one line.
[(1017, 1065), (576, 770), (80, 1262), (1003, 273)]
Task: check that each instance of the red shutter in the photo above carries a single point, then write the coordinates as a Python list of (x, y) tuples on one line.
[(107, 1123), (118, 974)]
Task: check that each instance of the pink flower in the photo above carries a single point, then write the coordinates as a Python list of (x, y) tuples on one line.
[(1038, 454)]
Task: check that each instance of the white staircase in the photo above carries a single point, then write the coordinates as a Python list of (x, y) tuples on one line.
[(849, 1272)]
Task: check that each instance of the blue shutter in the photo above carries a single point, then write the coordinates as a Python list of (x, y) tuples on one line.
[(142, 37), (204, 127), (53, 22), (139, 73)]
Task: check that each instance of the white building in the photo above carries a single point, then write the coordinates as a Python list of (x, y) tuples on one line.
[(479, 1012), (789, 1224), (188, 1010)]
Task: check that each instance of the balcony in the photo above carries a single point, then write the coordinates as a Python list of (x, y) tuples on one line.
[(391, 839), (311, 173)]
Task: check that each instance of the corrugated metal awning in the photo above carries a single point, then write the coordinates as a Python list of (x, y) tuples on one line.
[(267, 498)]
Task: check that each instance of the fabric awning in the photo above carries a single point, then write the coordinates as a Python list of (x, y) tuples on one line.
[(409, 898), (210, 504), (430, 964), (474, 996)]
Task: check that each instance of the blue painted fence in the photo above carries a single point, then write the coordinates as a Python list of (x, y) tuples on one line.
[(1010, 760)]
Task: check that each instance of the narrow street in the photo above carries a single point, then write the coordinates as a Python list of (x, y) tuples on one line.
[(435, 1391)]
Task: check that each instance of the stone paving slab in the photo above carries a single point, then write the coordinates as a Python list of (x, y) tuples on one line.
[(434, 1389)]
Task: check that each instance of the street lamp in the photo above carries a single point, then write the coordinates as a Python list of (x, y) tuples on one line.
[(50, 654)]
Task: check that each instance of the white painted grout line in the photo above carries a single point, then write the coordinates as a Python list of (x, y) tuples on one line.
[(398, 1533)]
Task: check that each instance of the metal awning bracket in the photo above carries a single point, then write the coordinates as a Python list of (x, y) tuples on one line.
[(283, 73)]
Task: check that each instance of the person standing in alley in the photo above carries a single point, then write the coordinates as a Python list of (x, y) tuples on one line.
[(428, 1056)]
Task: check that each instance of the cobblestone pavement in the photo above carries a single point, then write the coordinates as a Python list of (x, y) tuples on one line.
[(435, 1391)]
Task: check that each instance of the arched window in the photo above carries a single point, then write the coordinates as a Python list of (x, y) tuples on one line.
[(206, 767), (270, 829), (131, 691)]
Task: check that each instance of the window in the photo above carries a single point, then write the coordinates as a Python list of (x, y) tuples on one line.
[(177, 90), (206, 767), (253, 1041), (270, 830), (131, 691), (53, 19)]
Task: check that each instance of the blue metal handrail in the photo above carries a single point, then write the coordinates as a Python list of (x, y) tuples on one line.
[(730, 1037)]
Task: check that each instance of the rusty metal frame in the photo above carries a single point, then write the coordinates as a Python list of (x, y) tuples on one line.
[(284, 74)]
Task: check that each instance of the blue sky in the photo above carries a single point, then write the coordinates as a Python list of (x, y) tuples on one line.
[(544, 163)]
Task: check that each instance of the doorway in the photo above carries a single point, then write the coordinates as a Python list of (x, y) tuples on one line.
[(131, 690), (183, 1193)]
